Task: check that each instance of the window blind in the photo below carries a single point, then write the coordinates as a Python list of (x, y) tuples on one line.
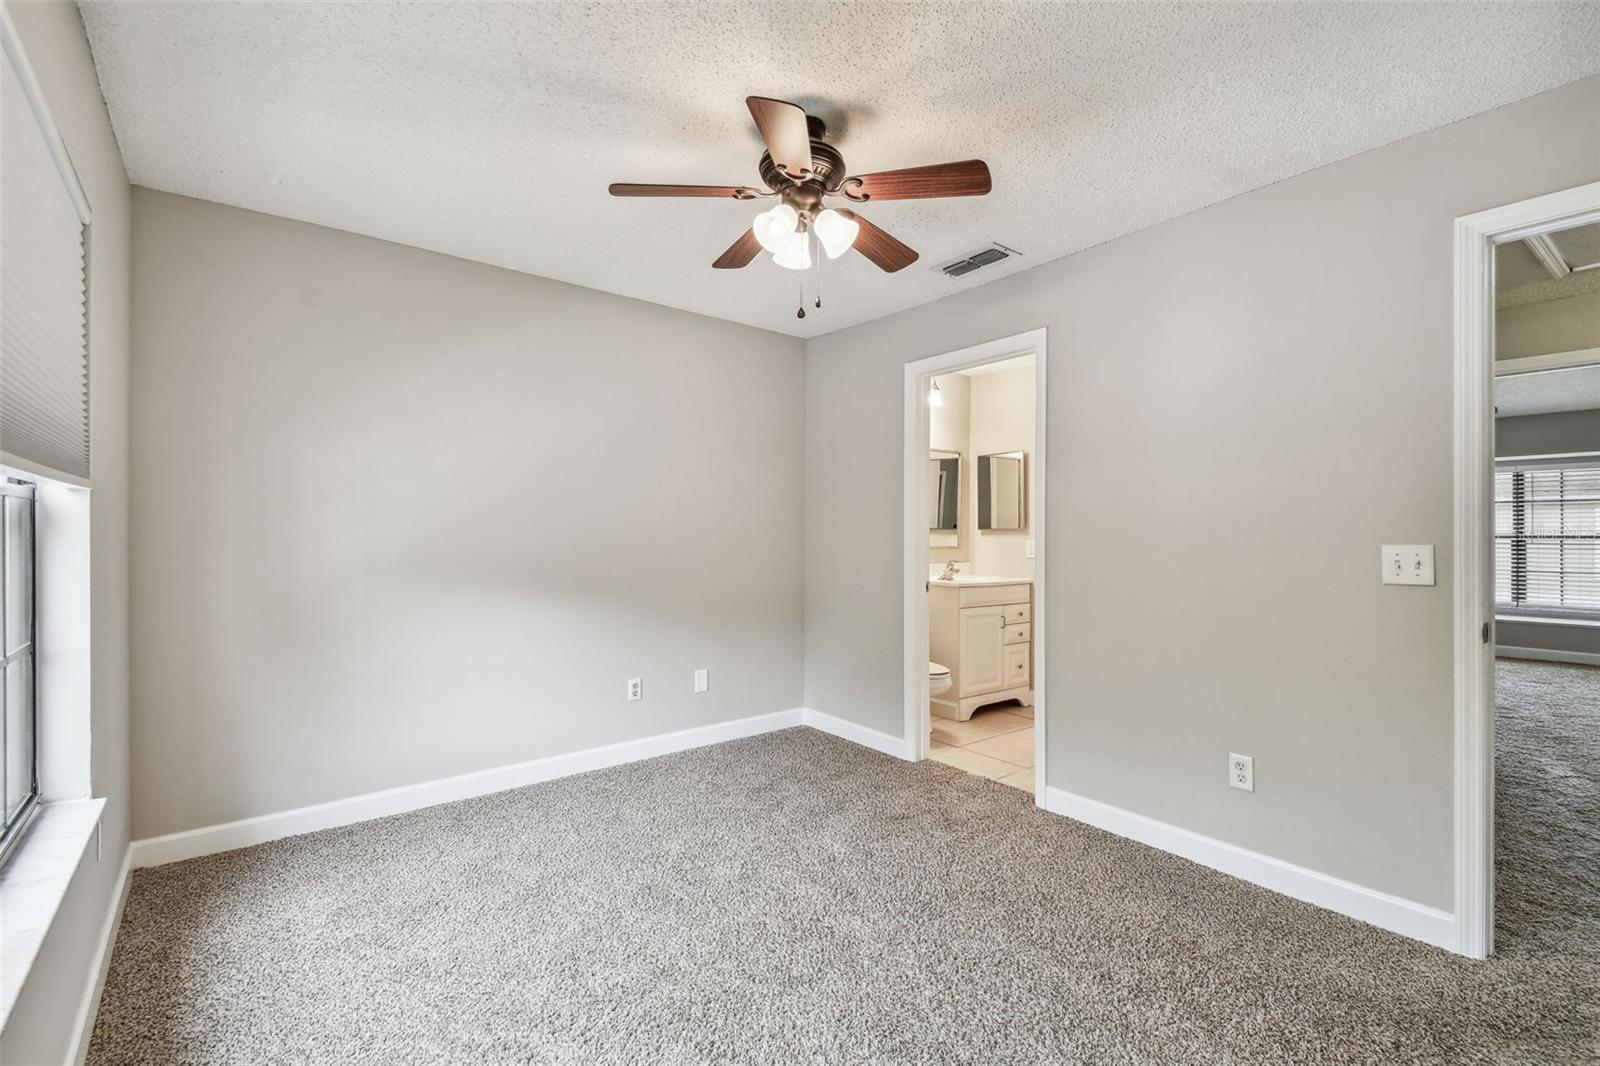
[(44, 366), (1547, 536)]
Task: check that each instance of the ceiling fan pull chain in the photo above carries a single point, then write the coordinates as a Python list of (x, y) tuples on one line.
[(818, 258), (801, 313)]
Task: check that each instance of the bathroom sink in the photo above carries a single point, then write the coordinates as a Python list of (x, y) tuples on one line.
[(977, 579)]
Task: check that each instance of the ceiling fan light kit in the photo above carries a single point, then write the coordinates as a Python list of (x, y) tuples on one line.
[(835, 232), (795, 254), (775, 227), (801, 169)]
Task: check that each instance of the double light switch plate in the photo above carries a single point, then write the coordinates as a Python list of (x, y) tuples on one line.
[(1408, 564)]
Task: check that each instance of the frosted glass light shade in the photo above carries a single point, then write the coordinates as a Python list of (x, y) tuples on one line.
[(774, 228), (795, 253), (836, 232)]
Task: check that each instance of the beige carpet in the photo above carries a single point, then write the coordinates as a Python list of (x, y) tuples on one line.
[(793, 898), (1547, 810)]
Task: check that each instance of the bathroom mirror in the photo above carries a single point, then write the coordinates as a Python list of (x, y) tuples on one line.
[(944, 489), (1002, 491)]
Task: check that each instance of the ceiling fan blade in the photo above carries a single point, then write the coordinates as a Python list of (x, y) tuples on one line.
[(967, 178), (736, 192), (783, 127), (878, 246), (740, 252)]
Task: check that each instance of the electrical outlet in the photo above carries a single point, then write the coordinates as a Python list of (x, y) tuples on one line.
[(702, 679), (635, 689), (1030, 548), (1242, 772)]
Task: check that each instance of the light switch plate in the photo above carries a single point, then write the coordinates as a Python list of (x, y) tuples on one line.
[(1408, 564), (702, 679)]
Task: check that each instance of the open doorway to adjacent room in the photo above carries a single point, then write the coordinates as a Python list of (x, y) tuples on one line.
[(1527, 576), (1547, 589), (975, 560)]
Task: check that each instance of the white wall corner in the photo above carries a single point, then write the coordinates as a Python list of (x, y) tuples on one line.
[(1406, 917)]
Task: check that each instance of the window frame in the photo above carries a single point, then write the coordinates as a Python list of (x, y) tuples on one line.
[(13, 829), (1512, 610)]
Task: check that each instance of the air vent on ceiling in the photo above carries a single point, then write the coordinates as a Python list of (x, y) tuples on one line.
[(967, 264)]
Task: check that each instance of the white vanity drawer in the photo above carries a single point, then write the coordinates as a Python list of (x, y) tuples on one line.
[(1018, 634), (1016, 669), (1018, 612), (989, 595)]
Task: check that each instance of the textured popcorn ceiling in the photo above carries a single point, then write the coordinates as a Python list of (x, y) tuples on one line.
[(1520, 278), (490, 131)]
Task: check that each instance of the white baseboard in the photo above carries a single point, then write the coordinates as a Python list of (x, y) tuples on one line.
[(208, 840), (887, 743), (1403, 916), (1581, 658), (89, 1007)]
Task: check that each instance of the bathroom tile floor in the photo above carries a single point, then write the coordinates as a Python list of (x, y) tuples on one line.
[(996, 742)]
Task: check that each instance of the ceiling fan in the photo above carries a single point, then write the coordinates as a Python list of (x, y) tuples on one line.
[(800, 169)]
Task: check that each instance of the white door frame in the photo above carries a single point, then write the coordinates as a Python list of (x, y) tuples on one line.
[(1475, 239), (916, 535)]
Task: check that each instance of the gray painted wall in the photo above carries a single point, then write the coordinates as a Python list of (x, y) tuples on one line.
[(399, 516), (1562, 639), (1552, 434), (1260, 432), (1565, 325), (42, 1023)]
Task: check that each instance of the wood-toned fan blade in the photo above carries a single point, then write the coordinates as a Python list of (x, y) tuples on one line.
[(783, 127), (739, 253), (736, 192), (969, 178), (879, 247)]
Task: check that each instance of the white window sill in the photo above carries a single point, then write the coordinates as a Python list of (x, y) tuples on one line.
[(33, 883), (1549, 620)]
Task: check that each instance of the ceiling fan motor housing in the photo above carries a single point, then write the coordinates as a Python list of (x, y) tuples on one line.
[(805, 195), (827, 168)]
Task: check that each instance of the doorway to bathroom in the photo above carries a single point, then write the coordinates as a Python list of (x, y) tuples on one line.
[(974, 551)]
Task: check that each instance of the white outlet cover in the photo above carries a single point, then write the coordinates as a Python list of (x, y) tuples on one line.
[(635, 689), (702, 679), (1242, 772), (1408, 564)]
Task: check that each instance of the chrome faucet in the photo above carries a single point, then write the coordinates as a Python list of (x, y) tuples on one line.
[(949, 572)]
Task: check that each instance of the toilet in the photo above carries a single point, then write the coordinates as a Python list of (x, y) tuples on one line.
[(938, 678)]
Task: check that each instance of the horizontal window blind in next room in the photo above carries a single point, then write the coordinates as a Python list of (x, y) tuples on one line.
[(44, 367), (1547, 536)]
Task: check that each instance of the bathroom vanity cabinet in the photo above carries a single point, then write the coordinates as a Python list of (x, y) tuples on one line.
[(982, 629)]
